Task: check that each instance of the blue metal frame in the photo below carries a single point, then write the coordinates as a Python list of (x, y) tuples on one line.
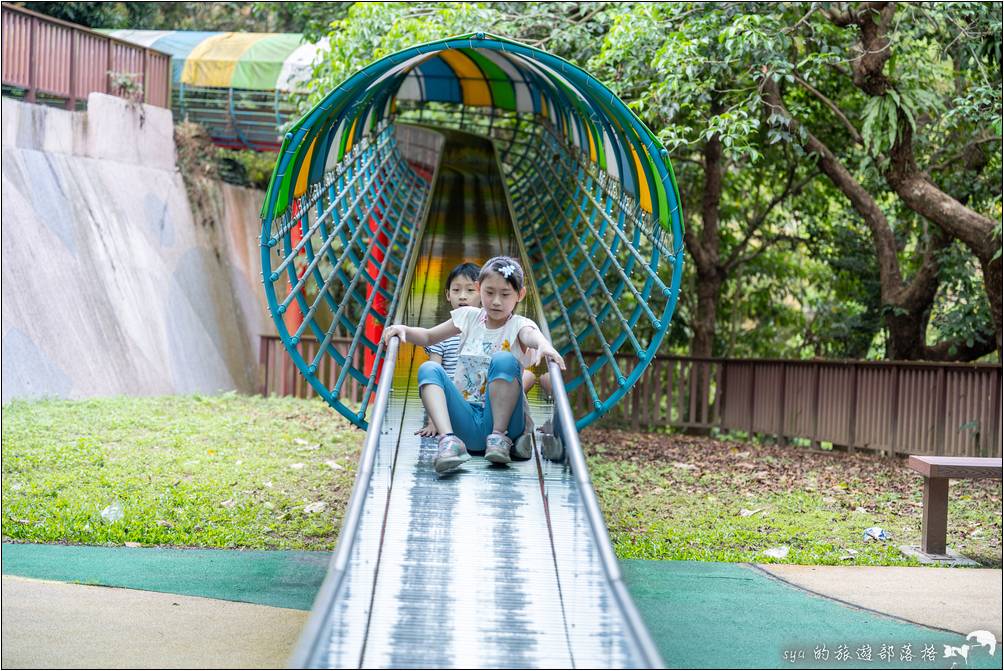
[(567, 208)]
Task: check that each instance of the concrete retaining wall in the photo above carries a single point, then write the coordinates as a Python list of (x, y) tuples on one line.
[(109, 285)]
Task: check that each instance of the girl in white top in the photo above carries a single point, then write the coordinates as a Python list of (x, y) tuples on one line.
[(481, 408)]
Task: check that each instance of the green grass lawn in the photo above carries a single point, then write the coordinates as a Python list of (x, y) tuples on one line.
[(208, 471), (671, 496), (246, 472)]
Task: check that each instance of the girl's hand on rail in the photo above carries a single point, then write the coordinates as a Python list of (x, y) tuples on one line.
[(547, 351), (428, 430), (395, 330)]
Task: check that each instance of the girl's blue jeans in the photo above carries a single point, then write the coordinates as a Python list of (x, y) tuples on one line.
[(472, 422)]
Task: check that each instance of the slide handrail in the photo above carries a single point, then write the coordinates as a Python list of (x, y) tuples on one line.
[(565, 427), (325, 600)]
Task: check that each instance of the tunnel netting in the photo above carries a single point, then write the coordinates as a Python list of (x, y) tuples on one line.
[(591, 192)]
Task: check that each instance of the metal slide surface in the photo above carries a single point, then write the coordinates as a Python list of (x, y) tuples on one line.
[(487, 567)]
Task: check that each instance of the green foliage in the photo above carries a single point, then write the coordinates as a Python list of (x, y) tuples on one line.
[(310, 18), (805, 279), (248, 168), (700, 77), (372, 30), (90, 14), (960, 312), (845, 306)]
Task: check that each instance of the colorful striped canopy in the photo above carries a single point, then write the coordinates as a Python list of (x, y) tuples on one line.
[(482, 71), (250, 61)]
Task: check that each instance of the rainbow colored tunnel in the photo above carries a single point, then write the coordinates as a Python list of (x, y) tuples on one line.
[(464, 149), (589, 189)]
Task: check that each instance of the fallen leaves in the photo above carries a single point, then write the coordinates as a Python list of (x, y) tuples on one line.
[(855, 479), (733, 500)]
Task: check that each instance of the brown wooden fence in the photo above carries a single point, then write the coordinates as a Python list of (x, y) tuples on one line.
[(894, 407), (279, 375), (54, 59)]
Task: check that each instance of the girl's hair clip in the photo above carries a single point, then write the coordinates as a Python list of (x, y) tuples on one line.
[(506, 271)]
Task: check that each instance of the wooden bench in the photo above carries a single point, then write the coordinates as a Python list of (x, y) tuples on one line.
[(937, 471)]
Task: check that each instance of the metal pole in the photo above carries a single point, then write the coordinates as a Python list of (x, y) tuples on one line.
[(108, 71), (71, 100), (32, 60)]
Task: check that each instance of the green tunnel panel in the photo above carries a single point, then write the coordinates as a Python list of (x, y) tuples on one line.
[(590, 188)]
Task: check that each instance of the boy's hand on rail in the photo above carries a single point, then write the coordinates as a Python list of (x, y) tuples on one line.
[(427, 431), (391, 331)]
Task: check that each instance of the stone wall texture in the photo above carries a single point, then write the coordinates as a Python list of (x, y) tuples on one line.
[(110, 285)]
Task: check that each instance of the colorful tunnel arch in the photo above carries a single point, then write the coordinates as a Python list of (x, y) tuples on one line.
[(480, 70), (604, 141)]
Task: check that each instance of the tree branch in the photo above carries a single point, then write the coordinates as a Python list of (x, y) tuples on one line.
[(837, 17), (855, 135), (790, 189), (861, 200), (920, 290), (959, 350), (949, 161), (793, 28)]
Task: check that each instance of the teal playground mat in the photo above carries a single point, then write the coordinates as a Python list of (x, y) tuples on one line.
[(701, 614)]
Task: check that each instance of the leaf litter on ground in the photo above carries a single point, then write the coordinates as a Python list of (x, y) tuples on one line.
[(816, 502)]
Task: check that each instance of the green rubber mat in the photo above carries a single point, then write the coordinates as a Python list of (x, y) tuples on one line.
[(707, 614), (275, 578), (701, 614)]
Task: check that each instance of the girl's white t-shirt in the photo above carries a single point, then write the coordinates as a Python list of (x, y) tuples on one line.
[(478, 343)]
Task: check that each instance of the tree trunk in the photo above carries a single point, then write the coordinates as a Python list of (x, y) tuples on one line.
[(973, 229), (910, 183), (906, 307), (704, 248), (709, 291)]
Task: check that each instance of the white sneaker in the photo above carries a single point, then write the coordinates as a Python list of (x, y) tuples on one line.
[(497, 448), (452, 453)]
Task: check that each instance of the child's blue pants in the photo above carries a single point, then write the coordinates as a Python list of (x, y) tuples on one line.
[(473, 422)]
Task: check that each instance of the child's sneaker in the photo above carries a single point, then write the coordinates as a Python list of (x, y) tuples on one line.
[(550, 445), (452, 453), (523, 449), (497, 448)]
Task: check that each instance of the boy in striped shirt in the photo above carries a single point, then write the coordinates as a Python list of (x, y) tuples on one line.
[(461, 290)]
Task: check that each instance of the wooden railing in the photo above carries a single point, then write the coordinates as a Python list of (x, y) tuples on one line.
[(279, 375), (53, 59), (893, 407)]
